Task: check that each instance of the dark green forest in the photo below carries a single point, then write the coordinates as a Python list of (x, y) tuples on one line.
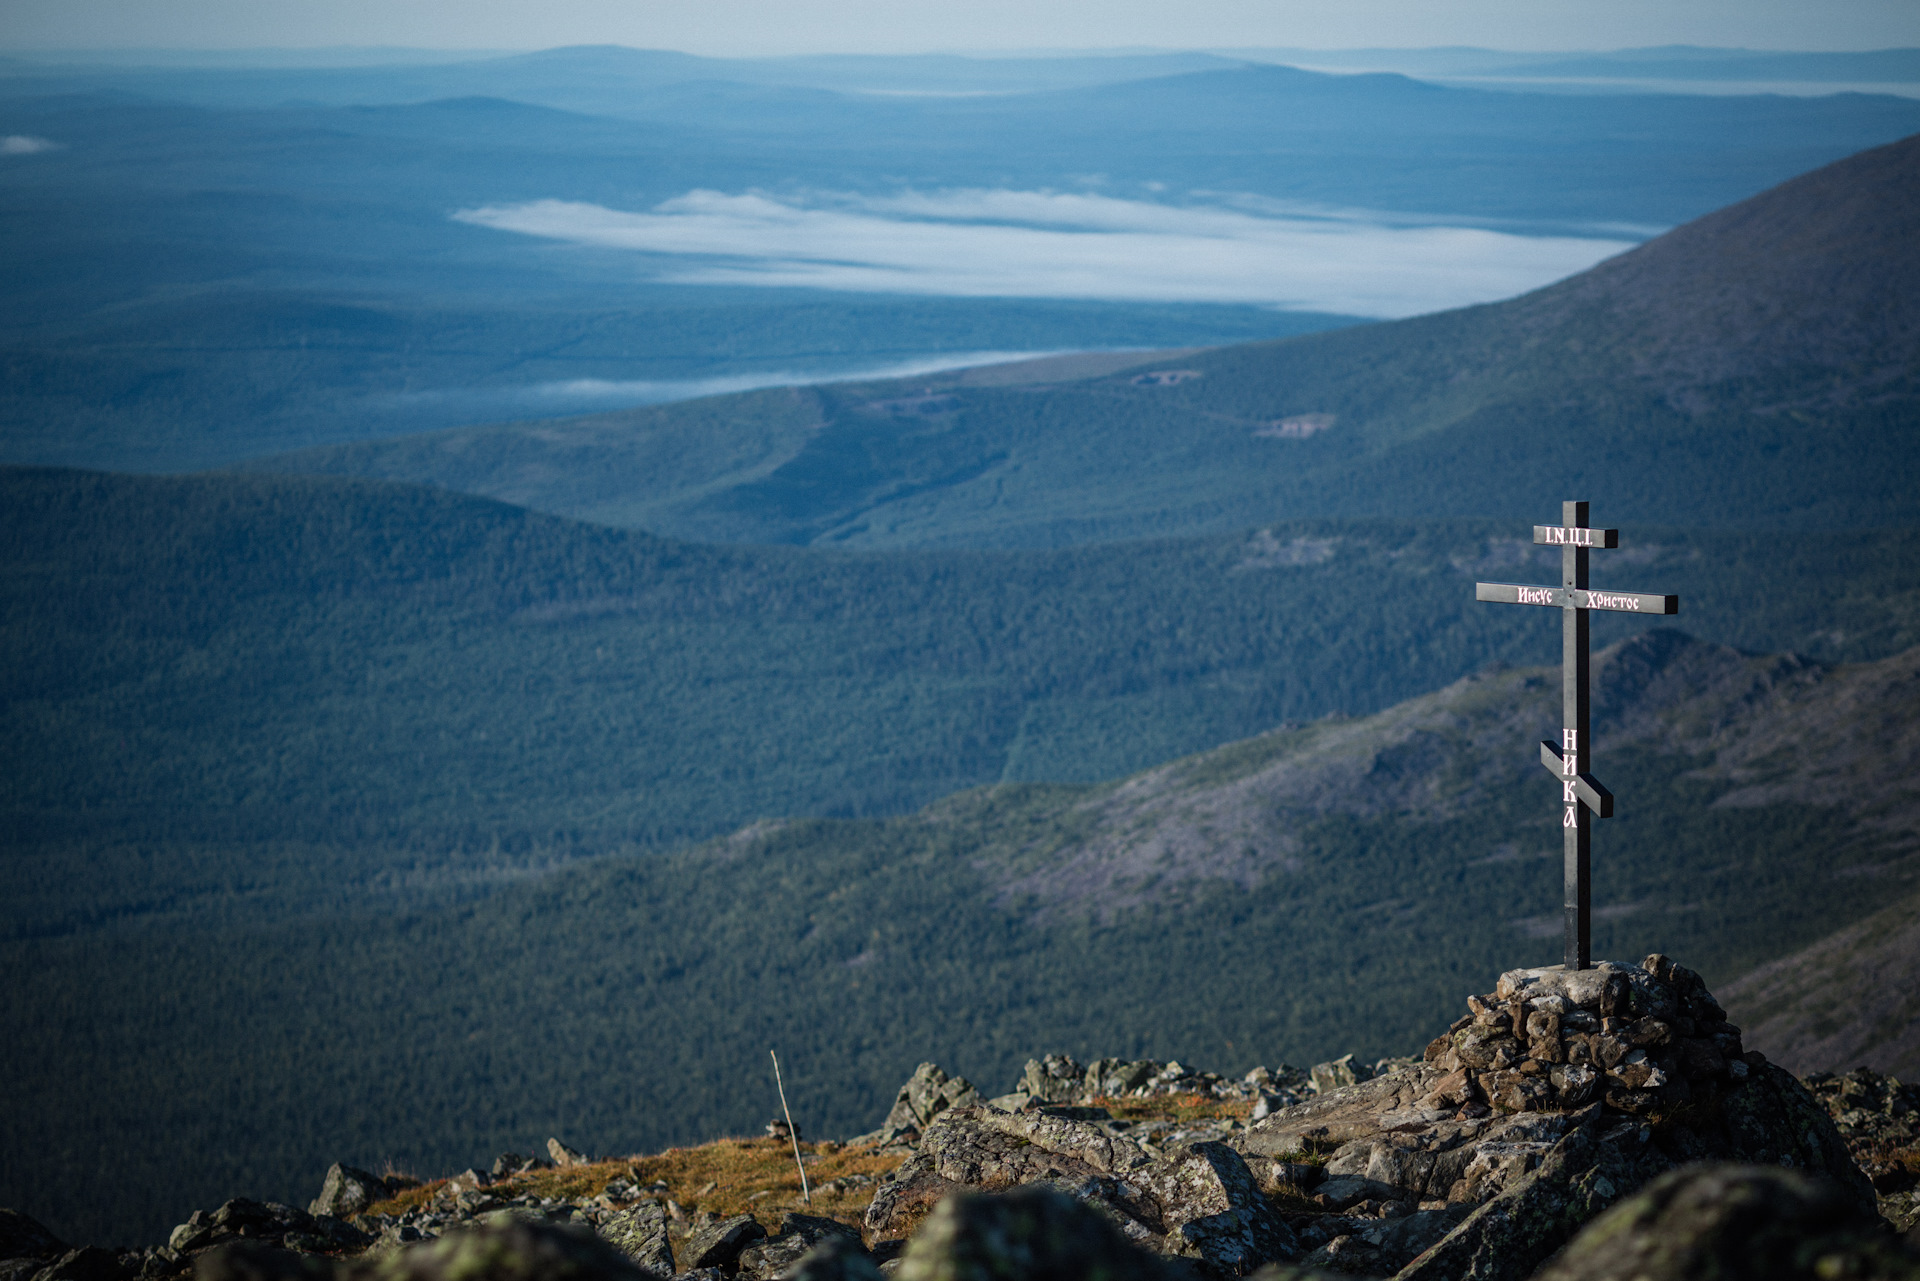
[(376, 690)]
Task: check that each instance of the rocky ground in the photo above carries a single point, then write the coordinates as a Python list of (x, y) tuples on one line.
[(1601, 1124)]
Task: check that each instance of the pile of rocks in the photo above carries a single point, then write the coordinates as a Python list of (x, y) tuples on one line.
[(1647, 1038)]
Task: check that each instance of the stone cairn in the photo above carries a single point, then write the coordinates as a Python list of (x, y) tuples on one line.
[(1642, 1039)]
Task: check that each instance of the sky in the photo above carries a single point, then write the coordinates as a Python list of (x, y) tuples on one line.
[(770, 27)]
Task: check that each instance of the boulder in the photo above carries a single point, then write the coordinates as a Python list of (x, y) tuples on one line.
[(1034, 1232), (563, 1155), (719, 1244), (835, 1259), (1736, 1221), (347, 1191), (798, 1235), (505, 1248), (640, 1233), (1200, 1202), (927, 1093), (243, 1260)]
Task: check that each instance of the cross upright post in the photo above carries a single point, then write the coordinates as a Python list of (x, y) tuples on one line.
[(1576, 719), (1582, 798)]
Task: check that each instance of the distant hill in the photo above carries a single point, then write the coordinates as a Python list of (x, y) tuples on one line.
[(1317, 889), (1754, 368), (1851, 999)]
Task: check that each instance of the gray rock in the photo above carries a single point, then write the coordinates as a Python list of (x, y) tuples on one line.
[(1053, 1079), (243, 1260), (835, 1258), (505, 1248), (1032, 1233), (24, 1237), (718, 1244), (927, 1093), (798, 1236), (21, 1269), (1326, 1077), (640, 1233), (1734, 1221), (346, 1192), (1200, 1201), (563, 1155), (507, 1163)]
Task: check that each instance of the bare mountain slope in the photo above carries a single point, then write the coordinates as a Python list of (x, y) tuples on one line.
[(1779, 728), (1820, 273), (1852, 999)]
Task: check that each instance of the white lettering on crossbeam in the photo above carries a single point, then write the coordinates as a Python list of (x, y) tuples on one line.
[(1569, 536), (1605, 600), (1536, 595)]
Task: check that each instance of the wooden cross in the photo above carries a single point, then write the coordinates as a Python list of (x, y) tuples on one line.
[(1581, 796)]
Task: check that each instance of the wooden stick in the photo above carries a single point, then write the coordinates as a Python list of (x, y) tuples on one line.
[(806, 1194)]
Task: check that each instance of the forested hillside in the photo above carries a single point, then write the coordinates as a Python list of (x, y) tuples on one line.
[(248, 694)]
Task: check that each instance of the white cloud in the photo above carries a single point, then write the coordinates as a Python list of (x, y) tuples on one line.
[(996, 243), (20, 144)]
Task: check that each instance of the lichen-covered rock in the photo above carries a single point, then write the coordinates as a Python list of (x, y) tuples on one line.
[(505, 1248), (1199, 1201), (1737, 1222), (563, 1155), (640, 1233), (1594, 1163), (1031, 1233), (926, 1094)]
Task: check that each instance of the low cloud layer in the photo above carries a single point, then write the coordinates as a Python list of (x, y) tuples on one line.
[(20, 144), (1026, 244)]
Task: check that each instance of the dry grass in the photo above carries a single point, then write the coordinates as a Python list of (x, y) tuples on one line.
[(728, 1176), (756, 1176)]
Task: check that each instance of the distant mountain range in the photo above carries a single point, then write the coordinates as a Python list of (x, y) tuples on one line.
[(1754, 368), (217, 264)]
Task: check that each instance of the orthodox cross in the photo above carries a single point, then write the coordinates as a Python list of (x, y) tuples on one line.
[(1582, 799)]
